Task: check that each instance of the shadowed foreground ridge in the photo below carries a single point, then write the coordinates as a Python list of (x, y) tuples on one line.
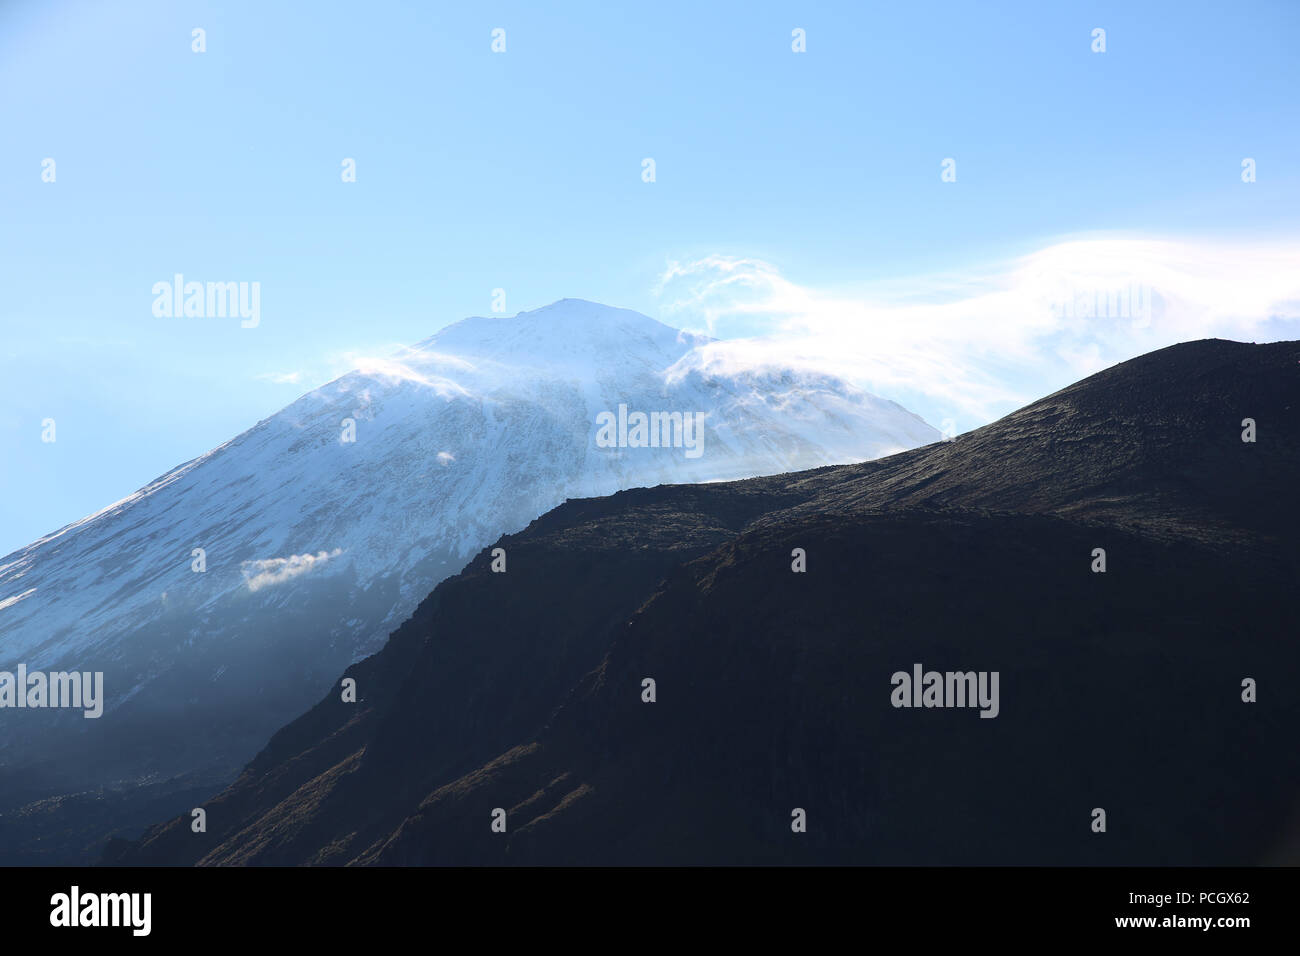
[(1119, 690)]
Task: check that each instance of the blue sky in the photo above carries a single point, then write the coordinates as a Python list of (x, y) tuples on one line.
[(811, 180)]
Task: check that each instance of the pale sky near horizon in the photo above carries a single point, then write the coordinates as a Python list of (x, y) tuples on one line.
[(798, 208)]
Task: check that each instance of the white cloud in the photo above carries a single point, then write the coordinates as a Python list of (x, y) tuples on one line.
[(445, 458), (268, 571), (973, 346), (281, 378), (388, 362), (419, 366)]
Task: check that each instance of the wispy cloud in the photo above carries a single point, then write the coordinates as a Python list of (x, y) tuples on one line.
[(396, 370), (389, 362), (971, 346), (401, 363), (269, 571), (282, 378)]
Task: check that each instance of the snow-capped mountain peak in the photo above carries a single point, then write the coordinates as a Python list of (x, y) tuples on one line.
[(222, 598)]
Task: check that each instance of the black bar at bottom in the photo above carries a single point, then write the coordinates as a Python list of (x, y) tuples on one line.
[(329, 907)]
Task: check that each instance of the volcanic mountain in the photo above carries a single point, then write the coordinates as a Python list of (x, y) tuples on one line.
[(652, 678), (224, 598)]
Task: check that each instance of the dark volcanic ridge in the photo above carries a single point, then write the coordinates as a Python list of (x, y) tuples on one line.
[(1119, 690)]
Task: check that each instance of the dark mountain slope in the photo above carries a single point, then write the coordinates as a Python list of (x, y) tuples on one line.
[(1118, 690), (570, 575), (1143, 441)]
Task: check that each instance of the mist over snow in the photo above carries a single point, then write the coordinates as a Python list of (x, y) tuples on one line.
[(967, 346)]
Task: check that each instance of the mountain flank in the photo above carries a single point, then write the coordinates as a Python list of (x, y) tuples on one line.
[(1119, 690), (223, 599)]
